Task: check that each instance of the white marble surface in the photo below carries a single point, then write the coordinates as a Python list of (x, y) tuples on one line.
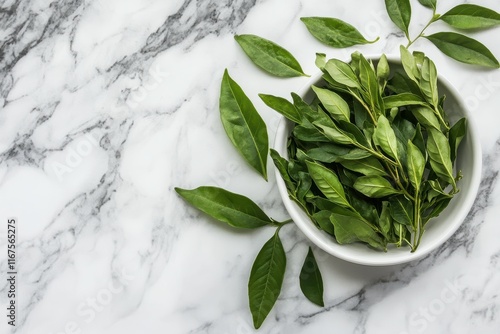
[(106, 105)]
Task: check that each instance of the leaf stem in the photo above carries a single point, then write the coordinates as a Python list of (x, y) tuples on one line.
[(283, 223), (443, 122), (434, 18), (395, 177), (419, 229), (360, 100)]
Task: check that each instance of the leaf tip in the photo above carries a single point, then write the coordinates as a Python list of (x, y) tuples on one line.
[(374, 41)]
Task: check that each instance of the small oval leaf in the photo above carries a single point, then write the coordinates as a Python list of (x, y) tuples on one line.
[(416, 165), (283, 106), (328, 183), (428, 3), (374, 186), (368, 166), (333, 103), (457, 133), (400, 13), (334, 32), (342, 73), (269, 56), (385, 138), (311, 281), (470, 16), (463, 49), (401, 210), (403, 99), (227, 207), (438, 148), (243, 124), (266, 279)]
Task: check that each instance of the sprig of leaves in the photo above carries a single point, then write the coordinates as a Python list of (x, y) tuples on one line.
[(268, 269), (463, 17)]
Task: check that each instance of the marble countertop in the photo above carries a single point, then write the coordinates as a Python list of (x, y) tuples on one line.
[(107, 105)]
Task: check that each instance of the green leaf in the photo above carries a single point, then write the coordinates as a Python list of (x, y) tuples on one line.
[(457, 133), (428, 81), (368, 166), (334, 32), (416, 165), (463, 49), (401, 210), (400, 13), (438, 149), (333, 103), (304, 185), (385, 138), (409, 64), (419, 141), (282, 166), (470, 16), (327, 153), (369, 82), (322, 218), (426, 117), (436, 190), (428, 3), (336, 135), (385, 221), (436, 209), (320, 61), (311, 282), (269, 56), (266, 279), (401, 83), (374, 186), (283, 106), (309, 133), (328, 183), (243, 124), (350, 227), (403, 99), (227, 207), (342, 73), (383, 69)]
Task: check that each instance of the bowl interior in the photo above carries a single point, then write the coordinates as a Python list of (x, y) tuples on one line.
[(438, 229)]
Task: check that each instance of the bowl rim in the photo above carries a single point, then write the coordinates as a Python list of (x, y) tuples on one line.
[(308, 228)]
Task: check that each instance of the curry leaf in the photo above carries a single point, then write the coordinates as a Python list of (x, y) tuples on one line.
[(385, 138), (457, 133), (269, 56), (334, 32), (416, 165), (469, 16), (328, 183), (311, 282), (243, 124), (374, 187), (400, 13), (401, 210), (463, 49), (227, 207), (438, 148), (266, 279), (428, 3), (349, 228), (283, 106), (333, 103)]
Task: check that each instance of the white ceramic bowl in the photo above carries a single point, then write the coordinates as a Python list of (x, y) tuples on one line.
[(439, 229)]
